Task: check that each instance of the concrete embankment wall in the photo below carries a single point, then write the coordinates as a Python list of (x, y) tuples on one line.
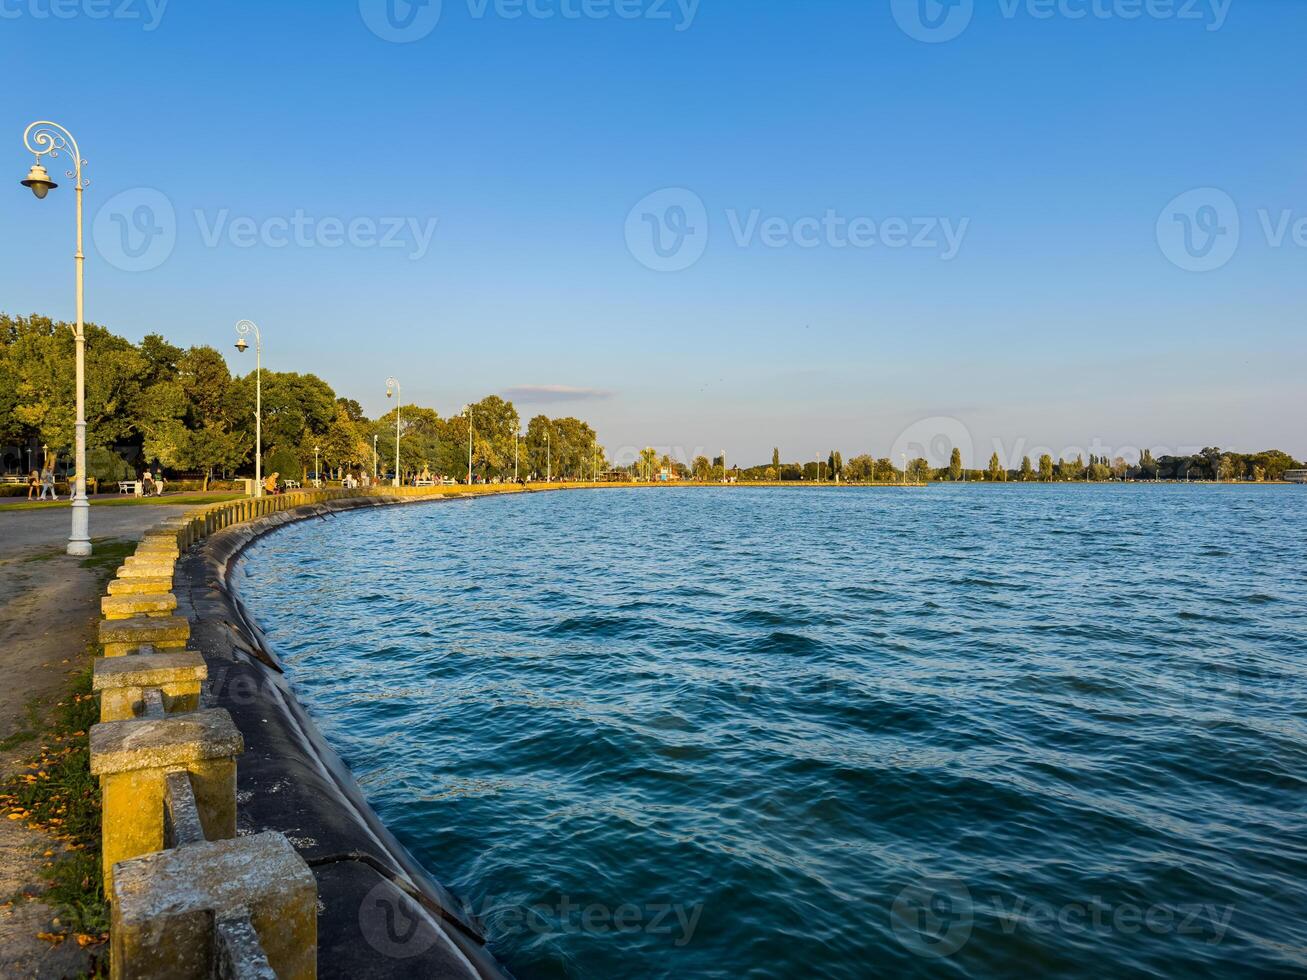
[(235, 842)]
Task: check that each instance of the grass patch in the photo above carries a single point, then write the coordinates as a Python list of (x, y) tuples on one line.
[(174, 501), (16, 739), (108, 553), (57, 795)]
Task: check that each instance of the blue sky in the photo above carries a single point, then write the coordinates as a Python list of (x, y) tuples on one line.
[(1067, 310)]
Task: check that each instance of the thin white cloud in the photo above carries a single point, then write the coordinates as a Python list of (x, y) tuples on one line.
[(540, 394)]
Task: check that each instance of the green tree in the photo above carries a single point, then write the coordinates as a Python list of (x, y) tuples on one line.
[(955, 465), (1046, 468), (1027, 471), (995, 468), (648, 463)]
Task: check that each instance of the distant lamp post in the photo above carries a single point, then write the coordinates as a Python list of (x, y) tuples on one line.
[(516, 439), (244, 329), (905, 468), (393, 385), (46, 138), (317, 470), (467, 411), (374, 457), (549, 459)]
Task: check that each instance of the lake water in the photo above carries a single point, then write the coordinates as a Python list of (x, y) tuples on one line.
[(961, 731)]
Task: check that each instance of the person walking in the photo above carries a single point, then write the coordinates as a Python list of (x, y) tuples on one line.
[(47, 485), (33, 482)]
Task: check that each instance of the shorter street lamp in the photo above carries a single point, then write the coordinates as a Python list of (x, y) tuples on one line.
[(549, 459), (905, 468), (244, 328), (516, 436), (391, 383), (374, 457), (317, 472)]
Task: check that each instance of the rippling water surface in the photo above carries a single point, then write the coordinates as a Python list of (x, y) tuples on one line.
[(968, 731)]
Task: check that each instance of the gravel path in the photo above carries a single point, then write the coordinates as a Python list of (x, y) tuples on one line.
[(49, 607)]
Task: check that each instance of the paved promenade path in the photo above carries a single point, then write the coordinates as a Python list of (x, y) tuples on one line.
[(49, 608)]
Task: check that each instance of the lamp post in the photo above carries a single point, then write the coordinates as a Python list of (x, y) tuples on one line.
[(317, 471), (374, 458), (44, 138), (905, 468), (393, 385), (549, 459), (467, 411), (243, 329), (516, 434)]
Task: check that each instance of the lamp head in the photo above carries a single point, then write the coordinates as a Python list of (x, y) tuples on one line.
[(241, 345), (39, 181), (389, 392)]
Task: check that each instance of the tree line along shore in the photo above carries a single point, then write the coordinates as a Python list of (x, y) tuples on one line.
[(181, 412)]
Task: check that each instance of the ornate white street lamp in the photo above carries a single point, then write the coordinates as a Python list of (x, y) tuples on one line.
[(243, 329), (393, 386), (46, 138)]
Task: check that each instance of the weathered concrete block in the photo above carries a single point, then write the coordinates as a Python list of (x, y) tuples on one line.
[(140, 586), (133, 568), (127, 606), (132, 759), (160, 547), (168, 909), (119, 637), (165, 562), (121, 682)]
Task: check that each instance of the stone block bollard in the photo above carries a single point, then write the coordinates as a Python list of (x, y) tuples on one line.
[(133, 758), (119, 637), (187, 912), (138, 604), (122, 682), (164, 546), (147, 566), (140, 586)]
